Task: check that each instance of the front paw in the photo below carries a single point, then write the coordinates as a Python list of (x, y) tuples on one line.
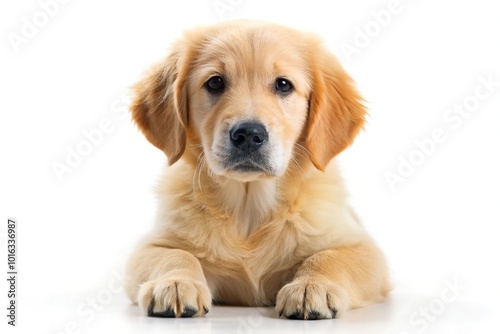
[(311, 299), (171, 298)]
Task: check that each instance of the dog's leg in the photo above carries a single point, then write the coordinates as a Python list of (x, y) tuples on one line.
[(333, 281), (167, 283)]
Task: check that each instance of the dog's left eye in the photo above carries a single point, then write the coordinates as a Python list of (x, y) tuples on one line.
[(215, 85), (283, 86)]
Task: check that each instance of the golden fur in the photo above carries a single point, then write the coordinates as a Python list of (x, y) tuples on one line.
[(284, 235)]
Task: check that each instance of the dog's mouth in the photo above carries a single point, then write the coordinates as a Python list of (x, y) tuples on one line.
[(248, 168)]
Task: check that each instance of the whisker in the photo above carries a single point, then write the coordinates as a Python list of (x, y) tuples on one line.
[(195, 146), (202, 167), (299, 152), (302, 150), (200, 164), (299, 168)]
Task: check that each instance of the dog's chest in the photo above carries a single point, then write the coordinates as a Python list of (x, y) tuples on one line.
[(252, 270), (252, 245)]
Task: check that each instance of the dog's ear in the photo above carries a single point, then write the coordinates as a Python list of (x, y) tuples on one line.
[(336, 112), (160, 106)]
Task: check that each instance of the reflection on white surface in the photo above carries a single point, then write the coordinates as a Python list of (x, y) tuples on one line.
[(401, 314)]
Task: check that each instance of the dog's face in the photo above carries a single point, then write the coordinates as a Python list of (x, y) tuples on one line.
[(248, 103), (248, 98)]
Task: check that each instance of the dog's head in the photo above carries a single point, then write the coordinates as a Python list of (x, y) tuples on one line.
[(247, 97)]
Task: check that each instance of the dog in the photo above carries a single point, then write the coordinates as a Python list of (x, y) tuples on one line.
[(252, 210)]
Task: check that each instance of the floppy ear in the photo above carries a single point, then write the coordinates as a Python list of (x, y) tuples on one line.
[(160, 105), (336, 112)]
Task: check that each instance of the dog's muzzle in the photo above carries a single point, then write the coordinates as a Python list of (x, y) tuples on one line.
[(248, 142)]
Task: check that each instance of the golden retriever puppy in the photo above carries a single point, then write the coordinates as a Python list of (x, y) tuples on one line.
[(252, 211)]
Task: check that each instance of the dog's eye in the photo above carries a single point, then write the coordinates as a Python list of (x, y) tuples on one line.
[(215, 85), (283, 86)]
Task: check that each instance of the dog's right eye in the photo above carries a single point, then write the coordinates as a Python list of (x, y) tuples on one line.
[(215, 85)]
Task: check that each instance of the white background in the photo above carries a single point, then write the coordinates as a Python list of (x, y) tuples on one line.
[(438, 227)]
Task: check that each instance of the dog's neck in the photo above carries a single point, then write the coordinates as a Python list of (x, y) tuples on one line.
[(248, 203)]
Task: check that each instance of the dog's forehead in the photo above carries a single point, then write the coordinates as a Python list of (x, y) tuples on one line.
[(265, 50), (254, 43)]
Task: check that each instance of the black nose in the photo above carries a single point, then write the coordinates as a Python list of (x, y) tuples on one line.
[(248, 137)]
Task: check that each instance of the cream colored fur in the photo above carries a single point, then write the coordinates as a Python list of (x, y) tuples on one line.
[(284, 237)]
